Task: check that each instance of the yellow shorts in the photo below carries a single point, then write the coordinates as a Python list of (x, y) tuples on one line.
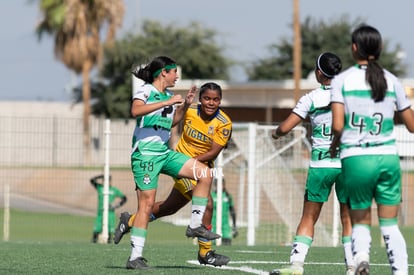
[(184, 186)]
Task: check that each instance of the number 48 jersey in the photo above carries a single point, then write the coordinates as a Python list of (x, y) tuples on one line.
[(153, 130), (368, 125)]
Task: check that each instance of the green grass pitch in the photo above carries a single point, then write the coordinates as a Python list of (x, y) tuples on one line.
[(60, 244)]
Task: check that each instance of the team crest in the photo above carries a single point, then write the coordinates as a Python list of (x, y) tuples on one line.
[(211, 130), (226, 132), (147, 179)]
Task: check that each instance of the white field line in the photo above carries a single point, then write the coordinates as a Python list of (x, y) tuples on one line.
[(248, 269), (245, 269)]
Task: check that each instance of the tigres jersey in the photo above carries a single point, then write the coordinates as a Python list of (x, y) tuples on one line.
[(199, 134)]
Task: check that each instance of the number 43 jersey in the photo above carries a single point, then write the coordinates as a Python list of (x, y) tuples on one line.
[(368, 125), (153, 130)]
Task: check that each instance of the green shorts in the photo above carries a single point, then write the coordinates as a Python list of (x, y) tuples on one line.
[(370, 177), (319, 184), (147, 168)]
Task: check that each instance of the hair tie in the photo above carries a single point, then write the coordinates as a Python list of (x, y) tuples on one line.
[(319, 67), (371, 57)]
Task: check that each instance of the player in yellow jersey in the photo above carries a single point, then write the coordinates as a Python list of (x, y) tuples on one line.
[(206, 131)]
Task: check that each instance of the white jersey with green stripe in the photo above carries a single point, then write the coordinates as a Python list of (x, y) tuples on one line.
[(316, 105), (153, 130), (368, 125)]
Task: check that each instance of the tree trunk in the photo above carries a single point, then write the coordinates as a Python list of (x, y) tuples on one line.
[(86, 95)]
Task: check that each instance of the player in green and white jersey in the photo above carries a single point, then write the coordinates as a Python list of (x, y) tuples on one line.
[(116, 199), (155, 108), (324, 171), (228, 230), (364, 99)]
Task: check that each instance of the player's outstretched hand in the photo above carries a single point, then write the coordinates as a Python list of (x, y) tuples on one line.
[(189, 98)]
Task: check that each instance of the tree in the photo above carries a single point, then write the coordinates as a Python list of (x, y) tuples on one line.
[(316, 38), (76, 26), (193, 47)]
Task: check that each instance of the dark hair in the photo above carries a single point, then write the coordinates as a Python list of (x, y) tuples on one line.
[(329, 64), (209, 86), (369, 45), (149, 72)]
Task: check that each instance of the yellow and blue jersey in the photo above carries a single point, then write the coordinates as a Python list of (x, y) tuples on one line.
[(198, 134)]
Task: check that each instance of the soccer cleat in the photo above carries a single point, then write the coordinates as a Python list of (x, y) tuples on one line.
[(350, 270), (122, 227), (138, 263), (201, 232), (214, 259), (291, 270), (362, 268)]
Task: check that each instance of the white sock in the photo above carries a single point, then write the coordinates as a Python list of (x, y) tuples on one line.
[(197, 213), (361, 243), (137, 244), (349, 259), (396, 248), (300, 248), (198, 207)]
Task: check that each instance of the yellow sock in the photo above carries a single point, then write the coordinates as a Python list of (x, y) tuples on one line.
[(204, 247), (131, 220)]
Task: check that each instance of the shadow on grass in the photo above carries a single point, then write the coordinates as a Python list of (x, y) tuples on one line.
[(158, 267)]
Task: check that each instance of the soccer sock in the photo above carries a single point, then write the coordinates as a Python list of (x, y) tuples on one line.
[(138, 236), (300, 248), (349, 259), (395, 244), (204, 245), (131, 220), (361, 242), (198, 208)]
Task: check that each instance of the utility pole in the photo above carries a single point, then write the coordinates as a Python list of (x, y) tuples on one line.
[(297, 50), (297, 64)]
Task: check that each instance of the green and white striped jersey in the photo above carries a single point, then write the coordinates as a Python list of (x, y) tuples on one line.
[(368, 125), (316, 105), (153, 130)]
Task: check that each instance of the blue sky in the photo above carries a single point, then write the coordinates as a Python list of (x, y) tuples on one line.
[(29, 70)]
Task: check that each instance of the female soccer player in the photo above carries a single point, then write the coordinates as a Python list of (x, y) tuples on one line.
[(155, 108), (364, 98), (324, 171), (206, 131)]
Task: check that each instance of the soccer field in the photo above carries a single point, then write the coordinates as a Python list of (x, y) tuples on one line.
[(60, 244), (87, 258)]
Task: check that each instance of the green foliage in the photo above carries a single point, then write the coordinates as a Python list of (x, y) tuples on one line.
[(193, 47), (54, 14), (318, 37)]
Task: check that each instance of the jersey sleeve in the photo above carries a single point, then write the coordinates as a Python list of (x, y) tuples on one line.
[(141, 93), (402, 100), (336, 90), (223, 134), (303, 106)]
